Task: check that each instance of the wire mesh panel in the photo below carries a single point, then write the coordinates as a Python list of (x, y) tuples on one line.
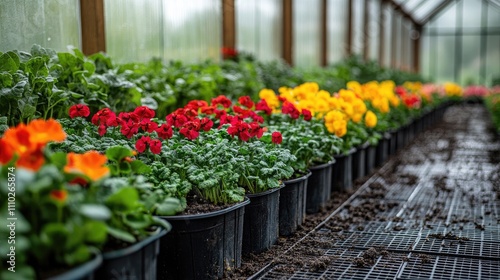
[(444, 267)]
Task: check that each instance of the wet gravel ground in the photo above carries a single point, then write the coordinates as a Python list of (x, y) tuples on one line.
[(431, 212)]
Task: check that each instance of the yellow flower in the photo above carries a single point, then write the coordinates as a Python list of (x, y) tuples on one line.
[(270, 97), (336, 122), (452, 89), (370, 119)]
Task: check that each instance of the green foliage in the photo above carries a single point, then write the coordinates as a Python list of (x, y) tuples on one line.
[(492, 103), (265, 166), (308, 141)]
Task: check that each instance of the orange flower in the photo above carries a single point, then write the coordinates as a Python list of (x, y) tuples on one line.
[(90, 164), (6, 152), (59, 195), (19, 139), (43, 131), (32, 159)]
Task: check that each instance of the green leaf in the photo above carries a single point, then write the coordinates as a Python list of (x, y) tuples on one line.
[(95, 232), (54, 235), (117, 153), (140, 167), (121, 234), (9, 62), (168, 207), (58, 159), (137, 220), (124, 199), (80, 255), (95, 211)]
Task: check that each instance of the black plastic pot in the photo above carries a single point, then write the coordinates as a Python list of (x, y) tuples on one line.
[(371, 152), (358, 165), (261, 226), (319, 187), (343, 170), (400, 138), (292, 204), (393, 142), (382, 150), (137, 261), (85, 271), (201, 246)]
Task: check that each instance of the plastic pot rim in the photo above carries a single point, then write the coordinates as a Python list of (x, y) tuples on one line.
[(81, 270), (250, 195), (323, 165), (303, 177), (207, 215)]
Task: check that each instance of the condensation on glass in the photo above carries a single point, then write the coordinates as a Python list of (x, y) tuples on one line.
[(336, 29), (52, 24), (259, 28), (306, 32), (172, 30)]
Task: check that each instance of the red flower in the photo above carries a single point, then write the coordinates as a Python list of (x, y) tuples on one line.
[(196, 104), (129, 116), (142, 143), (102, 116), (148, 126), (177, 120), (307, 114), (113, 121), (129, 129), (155, 146), (79, 110), (59, 195), (289, 108), (208, 110), (256, 130), (240, 111), (102, 129), (221, 99), (246, 101), (189, 133), (194, 124), (262, 106), (228, 52), (401, 91), (144, 112), (256, 117), (277, 138), (244, 136), (219, 113), (164, 131), (206, 124)]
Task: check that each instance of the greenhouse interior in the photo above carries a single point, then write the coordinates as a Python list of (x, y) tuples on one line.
[(250, 139)]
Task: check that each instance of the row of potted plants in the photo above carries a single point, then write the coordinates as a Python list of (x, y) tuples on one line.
[(43, 83), (222, 153)]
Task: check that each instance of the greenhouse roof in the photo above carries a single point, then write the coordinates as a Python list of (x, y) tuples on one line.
[(421, 11)]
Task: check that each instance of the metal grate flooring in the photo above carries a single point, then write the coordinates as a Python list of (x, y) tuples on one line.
[(435, 215)]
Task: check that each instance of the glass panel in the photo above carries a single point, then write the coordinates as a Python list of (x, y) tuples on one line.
[(471, 60), (388, 36), (426, 8), (471, 13), (374, 29), (444, 58), (258, 28), (133, 29), (192, 30), (337, 29), (358, 26), (398, 40), (50, 23), (492, 58), (410, 5), (447, 17), (493, 15), (425, 55), (306, 32)]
